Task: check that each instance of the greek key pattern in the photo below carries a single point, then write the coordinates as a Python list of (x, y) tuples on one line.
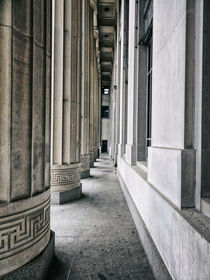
[(85, 162), (67, 176), (20, 231)]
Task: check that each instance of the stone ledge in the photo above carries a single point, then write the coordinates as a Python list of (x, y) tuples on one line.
[(179, 236), (158, 267), (61, 197), (36, 269)]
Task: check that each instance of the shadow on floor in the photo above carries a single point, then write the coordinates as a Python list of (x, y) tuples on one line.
[(95, 236)]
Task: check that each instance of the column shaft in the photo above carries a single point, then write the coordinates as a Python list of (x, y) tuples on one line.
[(85, 111), (24, 102), (65, 173), (91, 90)]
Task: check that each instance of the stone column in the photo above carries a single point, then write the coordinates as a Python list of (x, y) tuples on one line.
[(65, 166), (92, 50), (131, 125), (85, 110), (117, 90), (25, 67), (122, 83), (99, 112), (96, 108)]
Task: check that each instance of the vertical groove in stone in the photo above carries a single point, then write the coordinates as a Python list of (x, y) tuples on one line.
[(95, 102), (5, 97), (87, 85), (21, 99), (78, 103), (67, 82), (91, 82), (48, 37), (38, 98), (58, 83), (74, 71), (85, 81)]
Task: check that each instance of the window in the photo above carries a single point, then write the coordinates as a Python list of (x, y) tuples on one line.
[(106, 90), (105, 111), (149, 92)]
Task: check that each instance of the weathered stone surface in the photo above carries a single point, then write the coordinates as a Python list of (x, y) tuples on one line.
[(38, 268), (25, 198)]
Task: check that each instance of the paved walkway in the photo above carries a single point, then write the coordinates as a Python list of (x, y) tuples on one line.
[(96, 236)]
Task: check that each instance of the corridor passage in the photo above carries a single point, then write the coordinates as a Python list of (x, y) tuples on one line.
[(95, 236)]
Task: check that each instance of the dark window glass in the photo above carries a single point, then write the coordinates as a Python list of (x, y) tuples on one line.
[(105, 111)]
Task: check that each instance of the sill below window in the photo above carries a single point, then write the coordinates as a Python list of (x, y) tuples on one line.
[(142, 165), (205, 206)]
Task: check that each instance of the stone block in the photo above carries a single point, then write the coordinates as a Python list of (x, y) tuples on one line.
[(64, 196), (85, 174)]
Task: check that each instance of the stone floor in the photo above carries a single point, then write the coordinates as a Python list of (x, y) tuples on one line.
[(95, 236)]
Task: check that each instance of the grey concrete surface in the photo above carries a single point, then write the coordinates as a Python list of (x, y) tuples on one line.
[(95, 236)]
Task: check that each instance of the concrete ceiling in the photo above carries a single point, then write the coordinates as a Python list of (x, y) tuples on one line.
[(107, 18)]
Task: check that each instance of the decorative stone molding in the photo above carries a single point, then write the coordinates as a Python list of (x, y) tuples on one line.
[(25, 232), (63, 176)]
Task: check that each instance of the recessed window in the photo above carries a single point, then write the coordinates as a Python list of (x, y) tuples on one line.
[(105, 111), (106, 90), (106, 9)]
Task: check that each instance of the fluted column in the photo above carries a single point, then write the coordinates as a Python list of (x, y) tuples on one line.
[(25, 73), (92, 83), (66, 166), (96, 108), (85, 110)]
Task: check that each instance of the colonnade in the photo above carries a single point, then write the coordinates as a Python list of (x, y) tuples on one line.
[(75, 98), (49, 117)]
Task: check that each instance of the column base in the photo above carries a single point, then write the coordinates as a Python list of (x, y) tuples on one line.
[(64, 196), (120, 149), (115, 155), (96, 154), (65, 182), (85, 174), (92, 155), (92, 164), (85, 166), (37, 268)]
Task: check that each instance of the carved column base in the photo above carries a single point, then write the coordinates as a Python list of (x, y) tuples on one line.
[(65, 183), (85, 166), (96, 154), (92, 155), (38, 267), (24, 231)]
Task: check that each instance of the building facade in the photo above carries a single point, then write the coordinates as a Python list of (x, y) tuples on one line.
[(159, 129), (129, 78)]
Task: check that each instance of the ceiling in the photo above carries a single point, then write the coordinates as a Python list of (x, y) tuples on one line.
[(107, 19)]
